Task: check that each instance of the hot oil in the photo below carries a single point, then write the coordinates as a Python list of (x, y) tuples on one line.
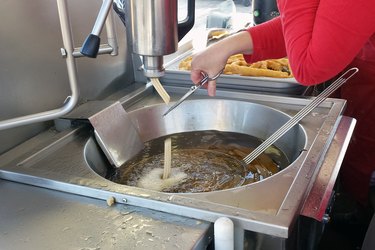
[(202, 161)]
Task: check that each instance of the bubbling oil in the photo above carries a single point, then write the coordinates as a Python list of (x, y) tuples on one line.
[(202, 161)]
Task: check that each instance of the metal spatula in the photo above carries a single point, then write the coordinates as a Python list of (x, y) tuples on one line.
[(300, 115), (114, 131), (116, 134)]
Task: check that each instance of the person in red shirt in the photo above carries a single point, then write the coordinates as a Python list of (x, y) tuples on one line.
[(321, 39)]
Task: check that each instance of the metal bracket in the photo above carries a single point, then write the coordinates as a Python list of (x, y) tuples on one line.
[(69, 53)]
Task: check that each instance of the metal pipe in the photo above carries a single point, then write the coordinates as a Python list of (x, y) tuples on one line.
[(91, 46), (111, 34), (103, 49), (102, 16), (71, 100), (112, 46)]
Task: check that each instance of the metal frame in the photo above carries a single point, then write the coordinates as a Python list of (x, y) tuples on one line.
[(69, 52)]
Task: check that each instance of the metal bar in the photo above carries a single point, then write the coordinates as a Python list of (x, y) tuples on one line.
[(102, 16), (71, 100), (301, 114), (104, 49), (105, 15), (111, 34)]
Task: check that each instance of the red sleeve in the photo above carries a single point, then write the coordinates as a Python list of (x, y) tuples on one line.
[(268, 41), (321, 37)]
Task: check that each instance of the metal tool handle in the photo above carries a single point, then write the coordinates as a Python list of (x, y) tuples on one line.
[(91, 46), (193, 88), (300, 115)]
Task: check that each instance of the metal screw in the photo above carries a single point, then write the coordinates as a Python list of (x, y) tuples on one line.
[(63, 52)]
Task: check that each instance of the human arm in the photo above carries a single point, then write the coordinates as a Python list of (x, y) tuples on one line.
[(321, 37)]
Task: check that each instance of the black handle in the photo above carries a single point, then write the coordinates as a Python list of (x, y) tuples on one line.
[(185, 26), (91, 45)]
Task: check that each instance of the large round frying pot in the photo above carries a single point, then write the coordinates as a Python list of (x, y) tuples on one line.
[(207, 114)]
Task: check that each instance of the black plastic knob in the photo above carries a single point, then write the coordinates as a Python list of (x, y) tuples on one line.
[(91, 45)]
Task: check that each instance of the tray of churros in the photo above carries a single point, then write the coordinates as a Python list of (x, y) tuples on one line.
[(273, 75)]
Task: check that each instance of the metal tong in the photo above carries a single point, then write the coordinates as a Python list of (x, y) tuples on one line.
[(300, 115), (202, 82)]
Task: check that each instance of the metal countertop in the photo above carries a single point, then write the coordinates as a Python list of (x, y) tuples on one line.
[(39, 218)]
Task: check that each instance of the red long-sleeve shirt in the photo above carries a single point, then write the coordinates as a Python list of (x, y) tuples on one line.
[(320, 38)]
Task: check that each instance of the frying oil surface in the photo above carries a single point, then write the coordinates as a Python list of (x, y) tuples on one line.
[(202, 161)]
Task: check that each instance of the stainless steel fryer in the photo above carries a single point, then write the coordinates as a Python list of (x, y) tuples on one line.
[(71, 161), (65, 157)]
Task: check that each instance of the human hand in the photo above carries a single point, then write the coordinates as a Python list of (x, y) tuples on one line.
[(213, 59), (209, 61)]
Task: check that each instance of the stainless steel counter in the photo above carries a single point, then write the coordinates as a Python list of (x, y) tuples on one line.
[(57, 160), (39, 218)]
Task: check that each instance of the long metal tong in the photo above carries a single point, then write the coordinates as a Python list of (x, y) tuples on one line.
[(194, 88), (300, 115)]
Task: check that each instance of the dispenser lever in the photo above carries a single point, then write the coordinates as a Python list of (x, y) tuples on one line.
[(91, 45)]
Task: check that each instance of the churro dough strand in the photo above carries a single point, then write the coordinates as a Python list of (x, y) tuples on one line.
[(167, 158), (160, 89)]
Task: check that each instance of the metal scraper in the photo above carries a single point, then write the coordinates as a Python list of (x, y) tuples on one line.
[(116, 134)]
